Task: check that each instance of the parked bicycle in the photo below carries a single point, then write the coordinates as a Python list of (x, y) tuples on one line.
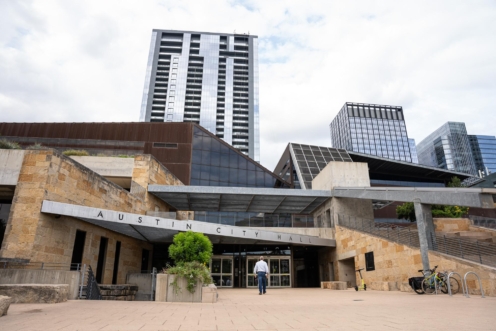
[(432, 280)]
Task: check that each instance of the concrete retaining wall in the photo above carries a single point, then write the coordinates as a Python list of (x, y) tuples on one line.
[(144, 283), (35, 293), (23, 276)]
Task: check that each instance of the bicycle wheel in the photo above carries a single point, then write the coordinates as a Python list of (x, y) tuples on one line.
[(418, 290), (428, 286), (454, 285)]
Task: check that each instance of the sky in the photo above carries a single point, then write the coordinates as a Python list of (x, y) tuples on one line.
[(85, 61)]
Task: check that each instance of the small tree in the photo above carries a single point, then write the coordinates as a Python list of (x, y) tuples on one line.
[(190, 246), (191, 251), (406, 211)]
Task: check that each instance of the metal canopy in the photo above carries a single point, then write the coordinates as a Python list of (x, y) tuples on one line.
[(240, 199), (159, 230)]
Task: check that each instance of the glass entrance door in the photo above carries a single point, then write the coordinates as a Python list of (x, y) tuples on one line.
[(279, 271), (221, 269)]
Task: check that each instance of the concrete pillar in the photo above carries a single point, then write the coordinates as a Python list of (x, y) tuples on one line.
[(426, 234)]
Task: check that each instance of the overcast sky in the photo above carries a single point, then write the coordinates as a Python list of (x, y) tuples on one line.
[(85, 61)]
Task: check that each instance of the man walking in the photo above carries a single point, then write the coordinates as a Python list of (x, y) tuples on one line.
[(261, 271)]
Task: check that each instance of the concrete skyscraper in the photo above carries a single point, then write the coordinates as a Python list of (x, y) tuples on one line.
[(207, 78)]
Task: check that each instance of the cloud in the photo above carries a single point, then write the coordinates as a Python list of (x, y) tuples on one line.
[(85, 61)]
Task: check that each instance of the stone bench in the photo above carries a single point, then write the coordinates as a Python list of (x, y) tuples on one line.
[(334, 285), (4, 304), (35, 293), (125, 292)]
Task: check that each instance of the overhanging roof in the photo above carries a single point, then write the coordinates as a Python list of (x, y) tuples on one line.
[(240, 199), (156, 229), (383, 168)]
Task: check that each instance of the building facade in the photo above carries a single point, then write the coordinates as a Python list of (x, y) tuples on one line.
[(484, 153), (209, 79), (449, 148), (371, 129)]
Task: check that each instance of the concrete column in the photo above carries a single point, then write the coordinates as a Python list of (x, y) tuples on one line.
[(425, 227)]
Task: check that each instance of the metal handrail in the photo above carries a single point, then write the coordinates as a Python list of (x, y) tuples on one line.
[(480, 283), (449, 285), (465, 248)]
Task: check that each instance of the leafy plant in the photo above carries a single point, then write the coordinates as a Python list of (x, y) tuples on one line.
[(189, 247), (407, 210), (35, 146), (193, 272), (6, 144), (76, 152)]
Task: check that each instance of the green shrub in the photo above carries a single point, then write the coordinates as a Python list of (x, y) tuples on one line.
[(6, 144), (190, 247), (406, 211), (76, 152), (193, 272)]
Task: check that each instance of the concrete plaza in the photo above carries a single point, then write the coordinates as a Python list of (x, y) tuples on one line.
[(280, 309)]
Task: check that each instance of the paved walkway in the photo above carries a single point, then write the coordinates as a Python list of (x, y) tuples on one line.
[(282, 309)]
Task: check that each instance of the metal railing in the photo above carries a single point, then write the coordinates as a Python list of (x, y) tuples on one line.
[(92, 289), (40, 266), (465, 248), (486, 222)]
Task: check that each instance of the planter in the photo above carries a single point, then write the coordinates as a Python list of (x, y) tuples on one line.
[(182, 295)]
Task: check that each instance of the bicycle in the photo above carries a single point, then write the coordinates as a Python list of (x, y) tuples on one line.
[(438, 280)]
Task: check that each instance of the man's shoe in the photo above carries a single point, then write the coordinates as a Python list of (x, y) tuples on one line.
[(260, 293), (264, 292)]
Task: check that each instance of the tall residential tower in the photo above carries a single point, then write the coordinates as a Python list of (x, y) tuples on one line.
[(372, 129), (207, 78)]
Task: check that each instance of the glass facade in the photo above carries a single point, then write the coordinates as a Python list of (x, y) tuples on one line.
[(448, 147), (372, 129), (484, 153), (216, 164), (206, 78), (413, 150)]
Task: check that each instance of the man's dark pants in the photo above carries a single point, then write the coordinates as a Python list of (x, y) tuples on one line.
[(262, 281)]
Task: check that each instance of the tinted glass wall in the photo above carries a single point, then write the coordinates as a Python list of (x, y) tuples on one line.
[(216, 164), (484, 152)]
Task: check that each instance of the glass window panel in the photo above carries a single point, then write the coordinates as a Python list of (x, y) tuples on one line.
[(205, 172), (224, 174), (215, 146), (233, 159), (214, 158), (284, 280), (233, 175), (275, 281), (216, 266), (274, 267), (269, 180), (214, 173), (205, 157), (197, 155), (206, 143), (226, 266), (252, 166), (195, 171), (260, 178), (241, 176), (251, 178), (242, 163), (224, 160), (216, 279), (226, 281)]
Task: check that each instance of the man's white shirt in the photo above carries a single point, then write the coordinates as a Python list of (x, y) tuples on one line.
[(261, 266)]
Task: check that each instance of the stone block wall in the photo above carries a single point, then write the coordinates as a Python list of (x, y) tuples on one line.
[(48, 175), (395, 263)]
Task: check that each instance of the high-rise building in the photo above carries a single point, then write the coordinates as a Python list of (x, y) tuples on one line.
[(207, 78), (371, 129), (484, 153), (449, 148), (413, 150)]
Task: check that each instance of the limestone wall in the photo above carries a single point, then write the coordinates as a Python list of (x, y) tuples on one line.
[(395, 263), (47, 175)]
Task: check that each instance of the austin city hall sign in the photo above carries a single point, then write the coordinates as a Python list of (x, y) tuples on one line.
[(120, 221)]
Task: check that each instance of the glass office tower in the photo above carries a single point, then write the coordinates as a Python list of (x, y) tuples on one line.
[(206, 78), (484, 153), (371, 129), (413, 150), (448, 147)]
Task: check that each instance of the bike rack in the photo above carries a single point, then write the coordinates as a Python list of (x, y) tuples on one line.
[(480, 283), (461, 280)]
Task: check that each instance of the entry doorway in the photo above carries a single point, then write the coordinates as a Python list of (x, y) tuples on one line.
[(279, 271), (347, 271), (221, 269)]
